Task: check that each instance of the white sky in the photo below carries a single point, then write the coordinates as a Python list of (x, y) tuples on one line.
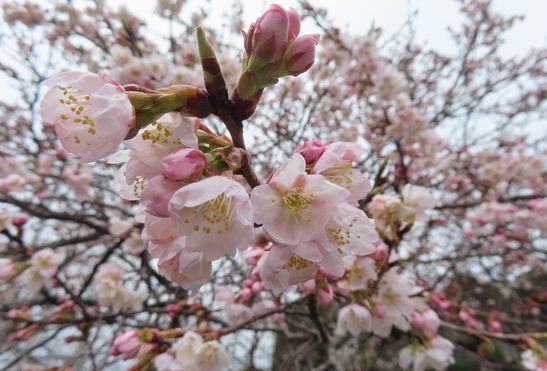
[(357, 16)]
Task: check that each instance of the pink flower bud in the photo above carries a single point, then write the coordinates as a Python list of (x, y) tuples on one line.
[(312, 150), (234, 158), (267, 37), (325, 295), (417, 320), (431, 322), (307, 287), (300, 54), (156, 195), (246, 294), (183, 164), (379, 310), (380, 254), (19, 220), (343, 287), (253, 255), (294, 24), (247, 282), (257, 287), (127, 345)]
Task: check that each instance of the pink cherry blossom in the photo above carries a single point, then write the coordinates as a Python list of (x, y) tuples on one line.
[(91, 113), (286, 265), (7, 269), (79, 178), (294, 206), (336, 165), (215, 215), (156, 195), (437, 354), (416, 200), (355, 319)]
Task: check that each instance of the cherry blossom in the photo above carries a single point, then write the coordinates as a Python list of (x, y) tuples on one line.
[(83, 106)]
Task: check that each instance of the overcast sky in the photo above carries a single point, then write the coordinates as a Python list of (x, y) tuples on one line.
[(432, 22)]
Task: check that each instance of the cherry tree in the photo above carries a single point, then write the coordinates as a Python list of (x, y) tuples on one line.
[(205, 197)]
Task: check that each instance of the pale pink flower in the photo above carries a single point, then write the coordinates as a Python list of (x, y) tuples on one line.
[(142, 160), (336, 165), (7, 269), (294, 206), (394, 295), (215, 215), (355, 319), (12, 183), (212, 356), (134, 244), (437, 354), (235, 312), (531, 360), (91, 113), (386, 211), (165, 362), (156, 195), (43, 266), (359, 272), (416, 201), (46, 262), (110, 290), (349, 231), (286, 265), (185, 267), (79, 178), (191, 353)]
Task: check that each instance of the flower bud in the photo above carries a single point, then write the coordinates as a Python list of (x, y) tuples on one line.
[(294, 24), (266, 39), (307, 287), (126, 344), (312, 150), (19, 220), (183, 164), (325, 295), (257, 287), (246, 294), (300, 54), (247, 282)]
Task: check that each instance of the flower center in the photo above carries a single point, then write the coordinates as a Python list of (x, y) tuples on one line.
[(77, 108), (217, 213), (298, 263), (296, 201), (341, 174), (161, 133)]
